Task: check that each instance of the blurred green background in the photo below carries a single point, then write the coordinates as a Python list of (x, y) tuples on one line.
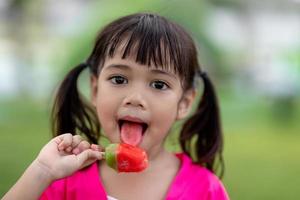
[(250, 49)]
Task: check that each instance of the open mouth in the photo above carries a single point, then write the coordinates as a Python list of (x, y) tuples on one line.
[(143, 124), (132, 130)]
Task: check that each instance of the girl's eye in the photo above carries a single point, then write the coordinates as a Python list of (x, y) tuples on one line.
[(160, 85), (118, 80)]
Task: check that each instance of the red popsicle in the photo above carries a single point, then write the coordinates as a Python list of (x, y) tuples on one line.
[(126, 158)]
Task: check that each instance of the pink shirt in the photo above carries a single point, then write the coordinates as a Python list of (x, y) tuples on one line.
[(192, 182)]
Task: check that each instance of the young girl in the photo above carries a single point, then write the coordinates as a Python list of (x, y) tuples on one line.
[(143, 72)]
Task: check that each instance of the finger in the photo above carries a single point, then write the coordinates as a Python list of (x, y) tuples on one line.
[(96, 147), (87, 157), (66, 141), (58, 139), (76, 141), (83, 145), (68, 149)]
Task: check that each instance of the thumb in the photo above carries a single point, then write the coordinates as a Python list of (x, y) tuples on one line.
[(87, 157)]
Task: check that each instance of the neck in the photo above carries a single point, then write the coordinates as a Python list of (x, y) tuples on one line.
[(156, 152), (160, 159), (153, 181)]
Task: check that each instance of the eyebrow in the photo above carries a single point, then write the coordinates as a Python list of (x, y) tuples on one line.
[(118, 66), (127, 68)]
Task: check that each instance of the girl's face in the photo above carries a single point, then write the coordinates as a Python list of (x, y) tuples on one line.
[(126, 89)]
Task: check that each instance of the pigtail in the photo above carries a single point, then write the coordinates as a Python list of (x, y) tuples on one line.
[(70, 113), (201, 135)]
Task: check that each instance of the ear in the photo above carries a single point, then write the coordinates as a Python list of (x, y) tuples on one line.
[(185, 104), (94, 89)]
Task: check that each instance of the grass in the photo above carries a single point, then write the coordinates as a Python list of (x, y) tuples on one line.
[(261, 151), (262, 166)]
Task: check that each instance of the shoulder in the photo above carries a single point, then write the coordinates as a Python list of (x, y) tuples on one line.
[(80, 184), (195, 172), (197, 181)]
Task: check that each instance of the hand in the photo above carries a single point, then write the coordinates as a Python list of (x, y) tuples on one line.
[(65, 154), (61, 157)]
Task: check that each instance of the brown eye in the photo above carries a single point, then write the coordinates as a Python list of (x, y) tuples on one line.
[(160, 85), (118, 80)]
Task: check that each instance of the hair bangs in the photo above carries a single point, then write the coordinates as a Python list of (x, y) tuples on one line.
[(151, 41)]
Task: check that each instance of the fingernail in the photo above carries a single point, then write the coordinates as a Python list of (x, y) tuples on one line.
[(95, 147), (69, 149), (76, 151)]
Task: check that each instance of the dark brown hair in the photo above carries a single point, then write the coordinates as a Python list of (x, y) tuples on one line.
[(153, 40)]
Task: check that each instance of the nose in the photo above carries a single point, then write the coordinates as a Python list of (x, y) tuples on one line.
[(135, 99)]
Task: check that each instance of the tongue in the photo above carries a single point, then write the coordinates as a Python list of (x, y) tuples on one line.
[(131, 133)]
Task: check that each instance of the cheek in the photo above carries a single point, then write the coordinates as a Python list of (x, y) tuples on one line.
[(104, 104), (165, 115), (103, 109), (106, 111)]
